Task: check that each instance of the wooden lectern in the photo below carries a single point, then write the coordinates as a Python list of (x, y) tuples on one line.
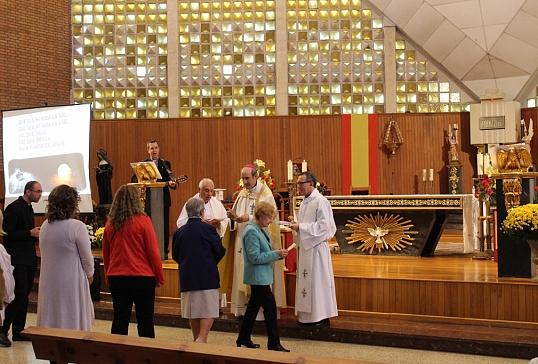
[(151, 196)]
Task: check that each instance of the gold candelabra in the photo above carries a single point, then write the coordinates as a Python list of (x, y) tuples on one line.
[(291, 193), (484, 235)]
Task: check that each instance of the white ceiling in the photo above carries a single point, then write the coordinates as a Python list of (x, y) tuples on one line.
[(479, 44)]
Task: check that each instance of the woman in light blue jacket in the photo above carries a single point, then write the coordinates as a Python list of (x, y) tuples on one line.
[(259, 258)]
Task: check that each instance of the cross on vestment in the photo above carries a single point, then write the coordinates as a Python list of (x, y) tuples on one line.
[(252, 207), (305, 273), (304, 292)]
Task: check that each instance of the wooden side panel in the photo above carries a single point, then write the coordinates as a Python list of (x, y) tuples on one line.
[(432, 298)]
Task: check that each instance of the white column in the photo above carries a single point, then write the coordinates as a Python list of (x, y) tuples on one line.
[(389, 33), (172, 17), (281, 40)]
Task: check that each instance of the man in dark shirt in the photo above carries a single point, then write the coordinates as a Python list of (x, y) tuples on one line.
[(165, 169), (20, 242)]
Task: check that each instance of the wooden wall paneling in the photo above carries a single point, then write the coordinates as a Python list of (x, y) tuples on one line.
[(425, 146), (218, 147)]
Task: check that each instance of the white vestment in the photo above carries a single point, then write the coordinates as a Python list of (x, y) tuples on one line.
[(9, 281), (214, 209), (315, 296), (244, 205)]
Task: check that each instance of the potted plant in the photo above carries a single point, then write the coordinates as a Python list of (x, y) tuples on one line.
[(522, 224)]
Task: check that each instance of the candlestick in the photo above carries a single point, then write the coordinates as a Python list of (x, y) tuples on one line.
[(479, 164), (423, 175), (290, 170), (486, 170), (431, 174), (304, 166)]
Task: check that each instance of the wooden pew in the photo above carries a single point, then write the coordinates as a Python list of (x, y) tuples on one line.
[(70, 346)]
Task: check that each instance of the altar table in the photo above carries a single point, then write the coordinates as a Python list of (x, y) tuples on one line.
[(424, 216)]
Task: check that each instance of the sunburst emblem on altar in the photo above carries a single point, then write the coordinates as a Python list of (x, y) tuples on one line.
[(380, 232)]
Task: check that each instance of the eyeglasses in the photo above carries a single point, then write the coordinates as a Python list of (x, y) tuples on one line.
[(36, 191), (302, 183)]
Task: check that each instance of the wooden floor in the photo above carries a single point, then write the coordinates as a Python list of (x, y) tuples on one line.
[(446, 267)]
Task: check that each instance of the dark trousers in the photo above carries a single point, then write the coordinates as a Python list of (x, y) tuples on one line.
[(261, 296), (166, 217), (16, 311), (126, 291)]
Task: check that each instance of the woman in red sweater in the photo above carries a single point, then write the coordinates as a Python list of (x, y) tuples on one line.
[(132, 262)]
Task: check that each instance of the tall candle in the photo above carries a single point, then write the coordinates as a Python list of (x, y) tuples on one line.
[(304, 166), (479, 164), (486, 170), (431, 174), (290, 170), (423, 175)]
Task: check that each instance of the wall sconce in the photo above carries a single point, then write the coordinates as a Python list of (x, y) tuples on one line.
[(393, 137)]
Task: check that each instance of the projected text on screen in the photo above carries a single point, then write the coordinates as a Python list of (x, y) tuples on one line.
[(49, 145)]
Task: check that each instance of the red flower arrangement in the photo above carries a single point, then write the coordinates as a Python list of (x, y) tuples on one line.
[(485, 188)]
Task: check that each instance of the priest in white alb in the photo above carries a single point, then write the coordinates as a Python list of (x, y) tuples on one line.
[(254, 190), (214, 211), (315, 295)]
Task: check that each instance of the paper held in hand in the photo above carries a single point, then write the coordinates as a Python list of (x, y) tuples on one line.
[(292, 246), (232, 212)]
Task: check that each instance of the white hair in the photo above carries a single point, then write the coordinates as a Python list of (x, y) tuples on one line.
[(203, 181)]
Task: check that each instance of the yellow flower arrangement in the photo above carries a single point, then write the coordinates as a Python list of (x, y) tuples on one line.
[(522, 223), (96, 238)]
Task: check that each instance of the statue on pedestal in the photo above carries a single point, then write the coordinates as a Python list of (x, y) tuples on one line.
[(453, 142), (527, 134), (103, 176)]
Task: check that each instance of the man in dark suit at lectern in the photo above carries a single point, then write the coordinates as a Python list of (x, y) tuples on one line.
[(165, 169)]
